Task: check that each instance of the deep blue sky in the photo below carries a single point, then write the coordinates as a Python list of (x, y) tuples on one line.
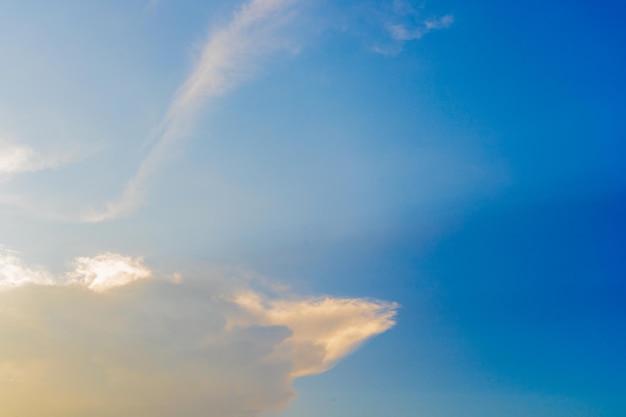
[(521, 293)]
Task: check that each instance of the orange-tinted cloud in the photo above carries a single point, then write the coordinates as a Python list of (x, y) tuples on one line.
[(157, 347)]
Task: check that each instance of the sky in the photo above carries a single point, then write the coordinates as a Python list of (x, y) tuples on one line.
[(303, 208)]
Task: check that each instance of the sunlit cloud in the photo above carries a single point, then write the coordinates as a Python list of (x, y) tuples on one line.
[(99, 273), (204, 346), (108, 270), (14, 273), (230, 56), (324, 329)]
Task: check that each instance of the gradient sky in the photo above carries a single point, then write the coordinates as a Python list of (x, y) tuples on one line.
[(308, 208)]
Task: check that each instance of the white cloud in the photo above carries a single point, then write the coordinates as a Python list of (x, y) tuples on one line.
[(230, 56), (443, 22), (108, 270), (13, 272), (206, 346), (16, 158), (403, 22), (99, 273), (402, 32)]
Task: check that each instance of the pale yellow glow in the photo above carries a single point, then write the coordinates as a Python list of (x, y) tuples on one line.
[(323, 329), (162, 347)]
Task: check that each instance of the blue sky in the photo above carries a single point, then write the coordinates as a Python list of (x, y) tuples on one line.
[(438, 184)]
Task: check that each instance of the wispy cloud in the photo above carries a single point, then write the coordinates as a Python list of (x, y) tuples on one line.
[(230, 56), (324, 329), (162, 348), (19, 158), (404, 22), (401, 32)]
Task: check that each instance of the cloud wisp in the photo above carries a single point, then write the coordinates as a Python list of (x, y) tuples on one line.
[(18, 158), (157, 347), (230, 56), (404, 22), (401, 32)]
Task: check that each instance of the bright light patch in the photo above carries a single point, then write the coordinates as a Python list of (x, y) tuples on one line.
[(99, 273), (13, 272), (208, 345), (108, 270), (15, 158)]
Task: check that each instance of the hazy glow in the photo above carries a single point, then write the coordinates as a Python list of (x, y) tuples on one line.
[(210, 347), (232, 54), (17, 158), (463, 159)]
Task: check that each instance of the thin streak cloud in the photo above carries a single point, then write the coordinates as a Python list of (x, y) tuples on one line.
[(230, 56)]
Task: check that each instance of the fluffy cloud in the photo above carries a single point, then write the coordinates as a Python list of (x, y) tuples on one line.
[(157, 347), (14, 273), (107, 271), (100, 273)]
